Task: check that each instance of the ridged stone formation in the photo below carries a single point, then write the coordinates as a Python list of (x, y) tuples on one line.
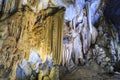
[(59, 40), (22, 30)]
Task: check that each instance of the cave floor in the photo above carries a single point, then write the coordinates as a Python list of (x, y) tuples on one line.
[(92, 72)]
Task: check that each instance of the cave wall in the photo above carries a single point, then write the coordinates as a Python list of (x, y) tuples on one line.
[(24, 30), (48, 33), (98, 40)]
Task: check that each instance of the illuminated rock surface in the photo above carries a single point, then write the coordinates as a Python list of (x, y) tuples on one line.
[(57, 40)]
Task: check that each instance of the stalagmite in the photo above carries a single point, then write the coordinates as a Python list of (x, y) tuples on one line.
[(77, 46), (67, 52), (86, 38), (92, 8)]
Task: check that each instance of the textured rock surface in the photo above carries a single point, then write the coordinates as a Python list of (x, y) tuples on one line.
[(99, 41), (27, 29), (35, 45)]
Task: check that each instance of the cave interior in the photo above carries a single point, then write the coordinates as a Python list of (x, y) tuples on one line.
[(59, 39)]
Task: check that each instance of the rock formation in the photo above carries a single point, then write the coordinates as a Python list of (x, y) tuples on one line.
[(41, 38)]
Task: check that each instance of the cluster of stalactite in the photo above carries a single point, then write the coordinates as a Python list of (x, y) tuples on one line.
[(85, 41), (13, 48), (79, 34), (77, 39), (23, 30)]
